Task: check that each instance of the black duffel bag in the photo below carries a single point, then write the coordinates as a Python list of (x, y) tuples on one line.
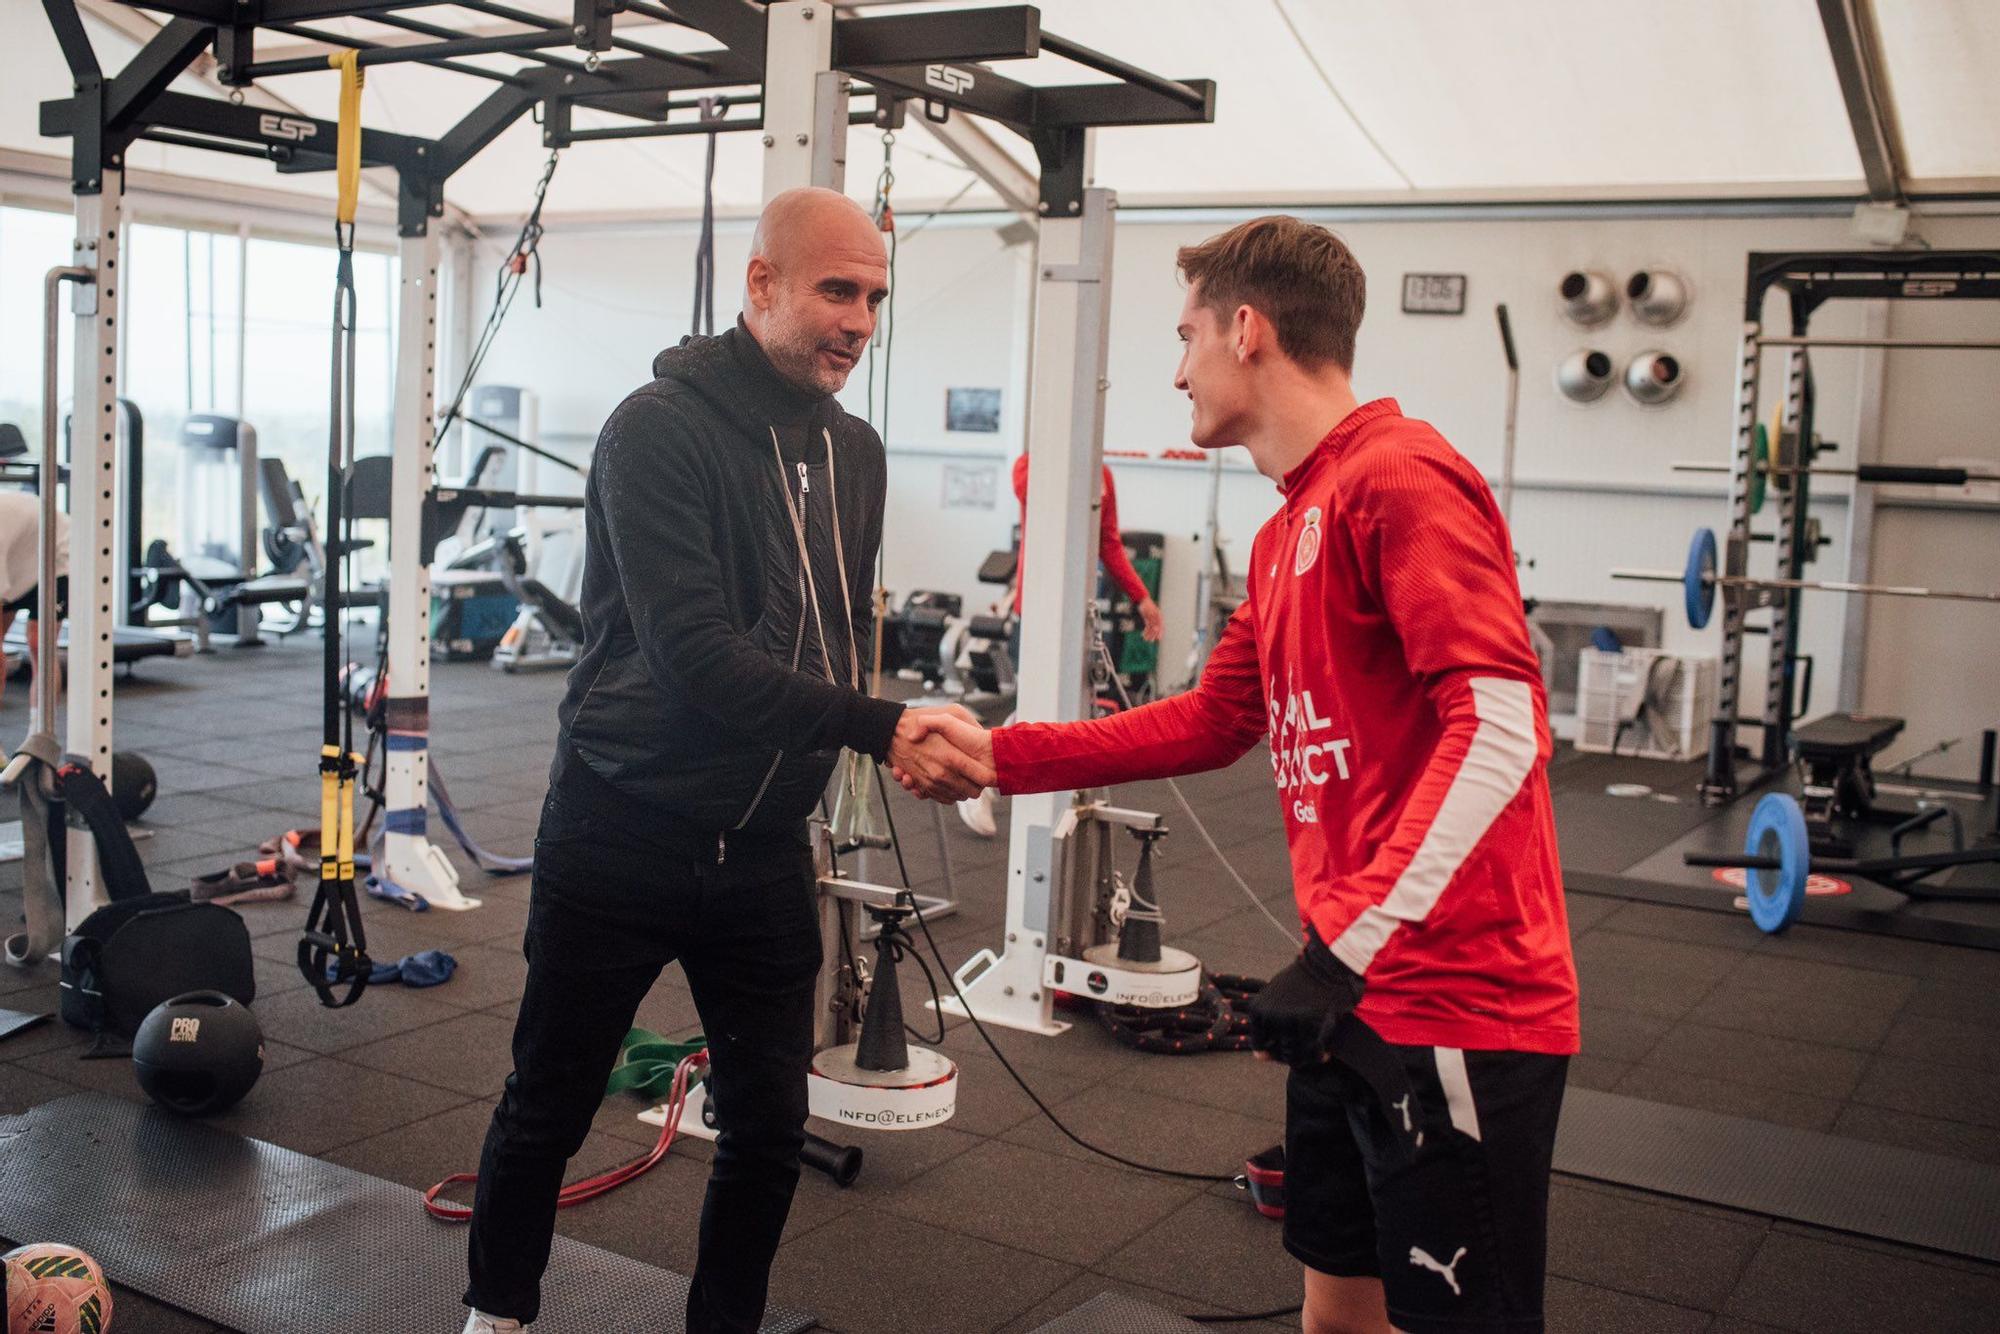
[(130, 955)]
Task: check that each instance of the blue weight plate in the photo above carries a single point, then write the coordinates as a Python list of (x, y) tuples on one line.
[(1698, 580), (1777, 828)]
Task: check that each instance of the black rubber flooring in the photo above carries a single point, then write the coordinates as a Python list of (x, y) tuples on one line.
[(995, 1222), (1632, 848)]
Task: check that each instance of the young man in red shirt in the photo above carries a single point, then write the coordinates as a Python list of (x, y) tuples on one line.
[(1382, 647)]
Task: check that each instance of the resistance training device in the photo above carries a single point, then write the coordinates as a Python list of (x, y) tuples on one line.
[(334, 934), (1700, 579)]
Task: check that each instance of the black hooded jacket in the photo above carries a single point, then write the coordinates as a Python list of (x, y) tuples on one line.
[(708, 688)]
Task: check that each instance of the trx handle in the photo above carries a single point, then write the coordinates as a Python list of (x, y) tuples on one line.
[(334, 933), (347, 153)]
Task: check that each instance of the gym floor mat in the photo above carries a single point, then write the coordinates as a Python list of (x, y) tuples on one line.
[(1872, 1190), (268, 1241), (1116, 1313)]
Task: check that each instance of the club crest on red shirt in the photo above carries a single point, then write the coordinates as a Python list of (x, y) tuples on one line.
[(1308, 549)]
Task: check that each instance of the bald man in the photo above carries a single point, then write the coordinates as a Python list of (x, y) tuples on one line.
[(731, 525)]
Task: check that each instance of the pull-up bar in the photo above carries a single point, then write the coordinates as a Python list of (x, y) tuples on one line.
[(403, 55), (1119, 69)]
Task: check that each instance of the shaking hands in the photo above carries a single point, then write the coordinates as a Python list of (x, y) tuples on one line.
[(942, 753)]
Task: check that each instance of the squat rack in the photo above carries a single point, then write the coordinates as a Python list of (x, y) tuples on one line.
[(1809, 279), (796, 62)]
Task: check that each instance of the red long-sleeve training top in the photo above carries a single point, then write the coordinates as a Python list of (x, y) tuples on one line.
[(1383, 648), (1110, 544)]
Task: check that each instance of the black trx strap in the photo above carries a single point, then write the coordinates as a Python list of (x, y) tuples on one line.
[(703, 320), (334, 935)]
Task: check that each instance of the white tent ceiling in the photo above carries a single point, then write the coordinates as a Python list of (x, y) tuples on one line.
[(1318, 101)]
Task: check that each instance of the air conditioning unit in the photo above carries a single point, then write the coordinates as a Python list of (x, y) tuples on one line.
[(1645, 703)]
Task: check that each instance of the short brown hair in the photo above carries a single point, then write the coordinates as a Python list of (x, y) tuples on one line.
[(1300, 277)]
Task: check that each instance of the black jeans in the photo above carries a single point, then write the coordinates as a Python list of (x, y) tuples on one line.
[(616, 897)]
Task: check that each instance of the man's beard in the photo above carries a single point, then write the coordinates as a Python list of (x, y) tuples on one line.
[(794, 354)]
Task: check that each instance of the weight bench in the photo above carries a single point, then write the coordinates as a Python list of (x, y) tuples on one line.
[(1839, 783)]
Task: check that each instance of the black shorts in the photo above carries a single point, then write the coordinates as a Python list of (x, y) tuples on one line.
[(1455, 1223), (31, 601)]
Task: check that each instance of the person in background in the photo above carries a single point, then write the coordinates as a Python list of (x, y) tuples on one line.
[(21, 569), (978, 811)]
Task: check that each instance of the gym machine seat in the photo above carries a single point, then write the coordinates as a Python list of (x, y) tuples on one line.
[(1839, 784)]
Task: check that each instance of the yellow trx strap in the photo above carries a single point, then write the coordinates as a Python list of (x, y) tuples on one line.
[(347, 155)]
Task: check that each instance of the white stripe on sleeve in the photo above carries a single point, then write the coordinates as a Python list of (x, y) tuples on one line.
[(1497, 762)]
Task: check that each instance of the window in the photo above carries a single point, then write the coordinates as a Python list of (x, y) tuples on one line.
[(31, 243), (288, 353), (179, 356), (212, 323)]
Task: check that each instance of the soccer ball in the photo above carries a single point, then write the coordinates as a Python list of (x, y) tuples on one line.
[(55, 1289)]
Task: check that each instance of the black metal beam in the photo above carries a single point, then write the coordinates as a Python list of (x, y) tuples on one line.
[(654, 107), (657, 13), (615, 77), (1173, 89), (1060, 153), (224, 13), (356, 44), (1012, 32), (737, 24), (534, 20), (158, 64), (75, 42), (1813, 278), (686, 127), (209, 145), (480, 127), (427, 52), (1122, 104), (971, 88), (293, 11), (217, 119), (402, 24)]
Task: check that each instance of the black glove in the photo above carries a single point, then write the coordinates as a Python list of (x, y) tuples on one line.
[(1293, 1017)]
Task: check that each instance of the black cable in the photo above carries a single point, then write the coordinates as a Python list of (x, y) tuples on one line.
[(702, 321), (1008, 1066), (525, 251), (1277, 1313), (889, 818)]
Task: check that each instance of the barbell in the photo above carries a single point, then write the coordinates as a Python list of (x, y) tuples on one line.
[(1776, 860), (1777, 864), (1699, 580)]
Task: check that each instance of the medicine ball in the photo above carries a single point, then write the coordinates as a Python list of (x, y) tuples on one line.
[(133, 784), (198, 1053)]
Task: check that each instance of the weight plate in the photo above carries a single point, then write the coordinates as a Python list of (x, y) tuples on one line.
[(1760, 466), (1777, 829), (1698, 580)]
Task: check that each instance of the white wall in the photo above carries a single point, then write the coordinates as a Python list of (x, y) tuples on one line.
[(1596, 489)]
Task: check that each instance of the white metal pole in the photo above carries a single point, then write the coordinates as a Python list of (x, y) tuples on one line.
[(1066, 446), (93, 522), (805, 102), (409, 858)]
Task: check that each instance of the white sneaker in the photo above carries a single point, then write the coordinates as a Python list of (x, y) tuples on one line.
[(977, 812), (481, 1323)]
